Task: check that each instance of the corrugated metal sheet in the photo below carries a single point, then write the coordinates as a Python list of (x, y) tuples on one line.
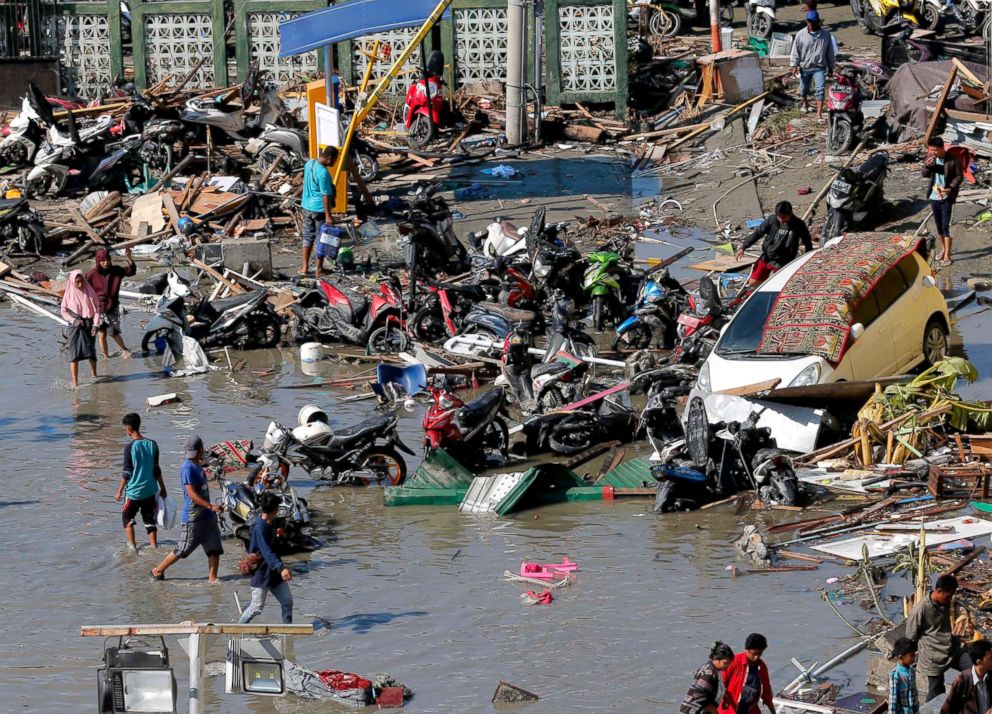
[(440, 470), (635, 473)]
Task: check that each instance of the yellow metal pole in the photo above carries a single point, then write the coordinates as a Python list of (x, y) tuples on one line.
[(373, 58), (380, 89)]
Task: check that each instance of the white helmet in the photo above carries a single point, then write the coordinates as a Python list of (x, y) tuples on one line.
[(311, 413)]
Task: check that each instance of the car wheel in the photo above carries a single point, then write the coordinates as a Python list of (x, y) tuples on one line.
[(934, 343)]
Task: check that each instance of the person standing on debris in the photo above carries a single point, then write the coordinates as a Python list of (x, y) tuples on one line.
[(813, 57), (971, 691), (747, 680), (902, 680), (782, 235), (946, 177), (707, 691), (81, 310), (106, 280), (199, 519), (271, 575), (141, 482), (929, 626), (318, 200)]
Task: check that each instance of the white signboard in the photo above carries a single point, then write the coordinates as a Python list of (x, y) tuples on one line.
[(328, 125)]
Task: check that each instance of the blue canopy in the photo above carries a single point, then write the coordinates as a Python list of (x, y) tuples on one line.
[(350, 20)]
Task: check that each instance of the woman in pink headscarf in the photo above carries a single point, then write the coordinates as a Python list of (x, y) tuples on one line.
[(80, 309)]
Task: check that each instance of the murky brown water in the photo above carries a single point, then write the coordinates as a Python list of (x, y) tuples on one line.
[(416, 592)]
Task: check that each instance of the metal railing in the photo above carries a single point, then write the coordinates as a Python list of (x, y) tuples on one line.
[(25, 30)]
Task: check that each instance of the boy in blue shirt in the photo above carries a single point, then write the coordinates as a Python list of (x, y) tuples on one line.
[(141, 482), (200, 527), (902, 681), (317, 201)]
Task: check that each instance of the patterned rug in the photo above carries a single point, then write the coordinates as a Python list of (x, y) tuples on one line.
[(812, 314), (228, 456)]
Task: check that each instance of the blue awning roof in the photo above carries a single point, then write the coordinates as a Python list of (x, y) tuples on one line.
[(350, 20)]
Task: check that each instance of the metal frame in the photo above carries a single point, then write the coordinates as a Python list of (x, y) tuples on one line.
[(141, 9)]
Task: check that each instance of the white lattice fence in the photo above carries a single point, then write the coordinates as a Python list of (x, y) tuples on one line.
[(588, 50), (175, 43), (480, 44), (263, 40), (84, 53), (397, 40)]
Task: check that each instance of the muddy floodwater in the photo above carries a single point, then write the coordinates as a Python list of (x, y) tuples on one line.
[(416, 592)]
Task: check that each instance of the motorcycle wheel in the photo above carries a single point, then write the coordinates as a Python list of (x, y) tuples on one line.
[(158, 158), (665, 23), (386, 463), (833, 227), (762, 25), (367, 166), (495, 440), (598, 312), (638, 337), (16, 155), (264, 330), (387, 340), (151, 338), (243, 533), (571, 439), (39, 186), (421, 132), (427, 324), (726, 14), (930, 17), (31, 238), (840, 135), (271, 154), (551, 400)]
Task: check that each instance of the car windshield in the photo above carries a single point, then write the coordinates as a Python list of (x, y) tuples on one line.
[(744, 333)]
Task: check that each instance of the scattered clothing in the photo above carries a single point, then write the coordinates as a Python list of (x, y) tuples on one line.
[(747, 685), (707, 689), (902, 691)]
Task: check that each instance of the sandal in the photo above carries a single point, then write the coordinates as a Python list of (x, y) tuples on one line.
[(945, 263)]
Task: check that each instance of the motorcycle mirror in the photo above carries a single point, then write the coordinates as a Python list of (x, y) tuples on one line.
[(857, 329)]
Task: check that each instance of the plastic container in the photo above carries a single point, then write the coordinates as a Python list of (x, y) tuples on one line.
[(330, 242), (781, 45), (311, 352), (726, 38)]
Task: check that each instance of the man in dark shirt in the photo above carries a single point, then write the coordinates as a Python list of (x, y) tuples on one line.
[(271, 576), (929, 626), (781, 235)]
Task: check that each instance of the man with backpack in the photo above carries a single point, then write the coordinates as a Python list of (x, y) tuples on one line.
[(781, 233)]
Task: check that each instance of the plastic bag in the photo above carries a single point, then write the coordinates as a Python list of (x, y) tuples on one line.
[(166, 515)]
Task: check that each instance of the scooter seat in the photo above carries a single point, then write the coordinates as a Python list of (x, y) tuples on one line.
[(875, 164), (360, 431), (547, 368), (210, 311), (511, 314), (477, 408), (8, 204)]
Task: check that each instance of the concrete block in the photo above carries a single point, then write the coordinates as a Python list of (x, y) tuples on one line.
[(257, 253)]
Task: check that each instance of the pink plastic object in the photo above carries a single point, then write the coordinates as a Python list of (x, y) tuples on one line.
[(551, 571)]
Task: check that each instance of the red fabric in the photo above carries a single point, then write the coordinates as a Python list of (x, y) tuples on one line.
[(964, 157), (762, 271), (733, 678), (544, 598), (343, 680)]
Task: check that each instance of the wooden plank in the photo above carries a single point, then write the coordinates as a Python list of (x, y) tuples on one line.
[(725, 263), (935, 117), (749, 389), (170, 209), (233, 287), (588, 454)]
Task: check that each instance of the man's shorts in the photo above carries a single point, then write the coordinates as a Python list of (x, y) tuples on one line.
[(148, 508), (205, 533), (312, 221), (762, 271)]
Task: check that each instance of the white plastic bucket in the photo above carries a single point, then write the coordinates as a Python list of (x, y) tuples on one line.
[(726, 38), (311, 352)]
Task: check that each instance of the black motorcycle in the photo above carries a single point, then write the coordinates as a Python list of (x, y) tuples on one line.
[(241, 321), (427, 235), (361, 455), (537, 387), (854, 194), (570, 433), (21, 229)]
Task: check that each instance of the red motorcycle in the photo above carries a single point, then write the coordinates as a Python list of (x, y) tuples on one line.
[(331, 314), (424, 109), (475, 434), (846, 118), (699, 326)]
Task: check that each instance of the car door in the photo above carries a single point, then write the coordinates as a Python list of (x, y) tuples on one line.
[(877, 355), (871, 355), (908, 320)]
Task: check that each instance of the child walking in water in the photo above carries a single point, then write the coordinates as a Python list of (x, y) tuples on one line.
[(79, 309)]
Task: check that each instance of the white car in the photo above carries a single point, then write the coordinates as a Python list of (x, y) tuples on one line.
[(864, 306)]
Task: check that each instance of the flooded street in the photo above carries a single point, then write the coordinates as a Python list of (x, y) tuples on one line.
[(416, 592)]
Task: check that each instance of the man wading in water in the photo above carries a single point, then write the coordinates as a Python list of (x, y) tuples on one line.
[(200, 527), (141, 482)]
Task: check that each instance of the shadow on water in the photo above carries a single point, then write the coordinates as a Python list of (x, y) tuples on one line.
[(46, 427), (4, 504), (362, 622)]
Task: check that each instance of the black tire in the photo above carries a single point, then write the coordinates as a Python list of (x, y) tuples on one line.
[(421, 132), (243, 533), (598, 312), (157, 156), (495, 439), (427, 324), (551, 400), (934, 342), (857, 10), (873, 22), (388, 339), (840, 135), (385, 459), (264, 330), (930, 17), (727, 14), (39, 186), (366, 165), (151, 337), (638, 337), (835, 225), (761, 25), (33, 237), (269, 155), (570, 439)]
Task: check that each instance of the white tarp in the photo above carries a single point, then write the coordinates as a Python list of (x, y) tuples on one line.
[(878, 545)]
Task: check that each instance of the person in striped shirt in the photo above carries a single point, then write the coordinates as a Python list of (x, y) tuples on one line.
[(707, 690)]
